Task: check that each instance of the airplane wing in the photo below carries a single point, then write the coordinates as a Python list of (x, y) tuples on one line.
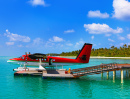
[(37, 55)]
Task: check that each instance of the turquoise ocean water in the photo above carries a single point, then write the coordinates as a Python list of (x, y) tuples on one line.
[(87, 87)]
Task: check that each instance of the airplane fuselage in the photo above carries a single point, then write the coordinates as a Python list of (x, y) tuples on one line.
[(49, 61), (38, 59)]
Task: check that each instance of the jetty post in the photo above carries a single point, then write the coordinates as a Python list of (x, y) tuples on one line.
[(102, 74), (114, 74), (107, 74), (129, 73), (76, 73), (121, 75), (126, 73)]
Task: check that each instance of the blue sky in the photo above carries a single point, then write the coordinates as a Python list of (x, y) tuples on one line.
[(55, 26)]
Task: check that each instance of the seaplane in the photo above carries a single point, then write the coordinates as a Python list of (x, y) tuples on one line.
[(43, 61)]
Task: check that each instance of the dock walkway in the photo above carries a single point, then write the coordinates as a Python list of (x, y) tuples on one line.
[(31, 72), (76, 73), (99, 69), (56, 74)]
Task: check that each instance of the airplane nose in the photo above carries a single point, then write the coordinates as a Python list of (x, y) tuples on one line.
[(10, 60)]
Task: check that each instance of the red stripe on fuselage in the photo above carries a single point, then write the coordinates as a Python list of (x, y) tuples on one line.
[(54, 59)]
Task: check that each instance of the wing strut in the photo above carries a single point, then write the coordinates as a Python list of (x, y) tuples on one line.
[(40, 66)]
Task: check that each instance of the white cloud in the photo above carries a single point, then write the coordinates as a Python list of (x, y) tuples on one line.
[(9, 43), (69, 31), (49, 44), (121, 38), (121, 9), (99, 43), (94, 44), (37, 2), (92, 37), (59, 45), (20, 45), (121, 44), (97, 13), (54, 42), (37, 41), (101, 29), (56, 39), (69, 44), (128, 36), (16, 37), (111, 40), (108, 35), (81, 42)]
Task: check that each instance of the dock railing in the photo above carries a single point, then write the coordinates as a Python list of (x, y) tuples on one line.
[(94, 69)]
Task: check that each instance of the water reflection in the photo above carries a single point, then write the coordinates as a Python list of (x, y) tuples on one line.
[(92, 86)]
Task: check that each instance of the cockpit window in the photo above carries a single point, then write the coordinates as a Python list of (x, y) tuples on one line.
[(22, 57)]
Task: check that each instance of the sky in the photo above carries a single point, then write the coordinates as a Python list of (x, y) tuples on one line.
[(55, 26)]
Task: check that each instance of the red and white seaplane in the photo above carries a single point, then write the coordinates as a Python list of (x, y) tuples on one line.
[(43, 61)]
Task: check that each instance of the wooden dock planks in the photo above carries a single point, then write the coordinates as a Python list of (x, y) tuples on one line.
[(56, 74), (99, 69), (32, 72), (76, 73)]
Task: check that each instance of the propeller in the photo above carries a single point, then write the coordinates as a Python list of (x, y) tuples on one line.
[(37, 55), (26, 56)]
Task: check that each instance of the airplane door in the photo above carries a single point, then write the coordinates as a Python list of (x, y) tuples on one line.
[(50, 61)]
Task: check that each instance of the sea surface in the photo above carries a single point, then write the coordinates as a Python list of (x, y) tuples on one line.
[(86, 87)]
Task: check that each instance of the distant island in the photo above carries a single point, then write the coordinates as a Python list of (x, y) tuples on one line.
[(123, 51)]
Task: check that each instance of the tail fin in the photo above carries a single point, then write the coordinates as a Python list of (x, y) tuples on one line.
[(84, 54)]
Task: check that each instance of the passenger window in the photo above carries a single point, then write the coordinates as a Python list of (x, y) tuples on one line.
[(44, 59), (22, 57)]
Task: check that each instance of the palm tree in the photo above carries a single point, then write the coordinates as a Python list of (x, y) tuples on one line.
[(112, 47), (128, 46), (125, 46)]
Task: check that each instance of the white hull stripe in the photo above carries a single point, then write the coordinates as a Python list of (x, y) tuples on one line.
[(43, 63)]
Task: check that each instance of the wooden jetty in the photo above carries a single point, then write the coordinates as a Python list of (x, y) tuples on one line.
[(76, 73), (30, 72), (95, 69), (56, 74), (100, 69)]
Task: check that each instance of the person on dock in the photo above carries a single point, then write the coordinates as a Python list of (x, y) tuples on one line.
[(69, 71)]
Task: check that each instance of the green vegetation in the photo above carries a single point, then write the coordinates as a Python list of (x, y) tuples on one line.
[(53, 54), (108, 52)]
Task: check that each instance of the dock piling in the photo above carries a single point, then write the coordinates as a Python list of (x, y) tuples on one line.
[(114, 75), (107, 74), (121, 76), (75, 73), (129, 73), (126, 73), (101, 74)]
